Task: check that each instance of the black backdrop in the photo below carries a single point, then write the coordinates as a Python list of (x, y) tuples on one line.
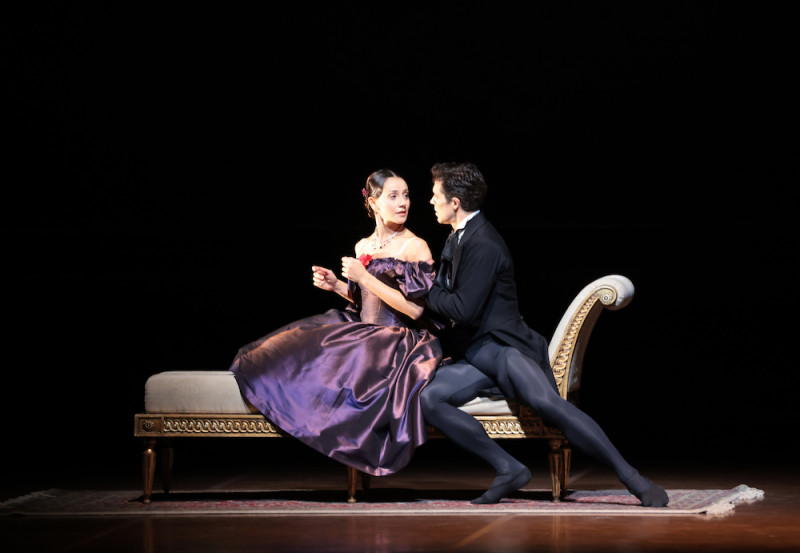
[(174, 171)]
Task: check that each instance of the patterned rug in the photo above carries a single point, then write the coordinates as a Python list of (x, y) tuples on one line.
[(57, 502)]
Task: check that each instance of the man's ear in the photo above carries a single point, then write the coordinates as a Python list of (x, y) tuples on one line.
[(456, 203)]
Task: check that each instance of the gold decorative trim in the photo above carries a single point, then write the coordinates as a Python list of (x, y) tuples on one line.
[(217, 426), (566, 349), (232, 426), (504, 426), (608, 296), (173, 425)]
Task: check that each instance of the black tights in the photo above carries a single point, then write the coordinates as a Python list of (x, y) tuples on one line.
[(453, 386), (518, 377), (521, 378)]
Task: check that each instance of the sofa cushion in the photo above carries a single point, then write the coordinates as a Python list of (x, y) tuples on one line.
[(487, 406), (218, 392), (194, 392)]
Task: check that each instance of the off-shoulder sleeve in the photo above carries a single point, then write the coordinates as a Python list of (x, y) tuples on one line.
[(414, 278)]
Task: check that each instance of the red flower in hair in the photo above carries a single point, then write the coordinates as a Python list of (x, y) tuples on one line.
[(365, 258)]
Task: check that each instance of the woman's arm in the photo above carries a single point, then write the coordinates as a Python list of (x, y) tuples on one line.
[(326, 279), (353, 270)]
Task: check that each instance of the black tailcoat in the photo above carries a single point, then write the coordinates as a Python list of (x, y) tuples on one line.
[(480, 298)]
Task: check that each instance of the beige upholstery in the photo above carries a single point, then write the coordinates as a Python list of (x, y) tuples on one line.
[(195, 392), (218, 392), (191, 404)]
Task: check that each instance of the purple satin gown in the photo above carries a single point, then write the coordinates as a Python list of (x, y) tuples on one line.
[(347, 383)]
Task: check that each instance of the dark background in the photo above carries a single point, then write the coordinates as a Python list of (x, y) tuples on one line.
[(173, 171)]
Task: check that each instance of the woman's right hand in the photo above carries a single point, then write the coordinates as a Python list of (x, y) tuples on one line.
[(324, 278)]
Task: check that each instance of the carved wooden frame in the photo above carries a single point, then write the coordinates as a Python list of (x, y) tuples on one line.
[(159, 430)]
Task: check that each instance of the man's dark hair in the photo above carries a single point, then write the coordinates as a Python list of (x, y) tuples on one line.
[(462, 181)]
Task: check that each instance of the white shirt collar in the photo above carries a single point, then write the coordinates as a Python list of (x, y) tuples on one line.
[(463, 223)]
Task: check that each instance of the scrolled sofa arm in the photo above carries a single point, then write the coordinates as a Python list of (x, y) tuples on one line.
[(572, 334)]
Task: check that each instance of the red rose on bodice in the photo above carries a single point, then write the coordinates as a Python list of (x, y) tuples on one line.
[(365, 258)]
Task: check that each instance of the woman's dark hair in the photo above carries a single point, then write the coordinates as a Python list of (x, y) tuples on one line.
[(462, 181), (374, 187)]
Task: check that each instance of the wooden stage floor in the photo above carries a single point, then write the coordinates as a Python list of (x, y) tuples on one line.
[(772, 524)]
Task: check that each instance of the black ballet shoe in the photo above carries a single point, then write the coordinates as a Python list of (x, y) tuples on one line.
[(504, 485), (651, 494)]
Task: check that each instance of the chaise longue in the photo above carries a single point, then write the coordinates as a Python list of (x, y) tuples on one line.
[(206, 404)]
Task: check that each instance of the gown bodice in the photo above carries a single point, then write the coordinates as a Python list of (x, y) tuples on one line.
[(413, 279)]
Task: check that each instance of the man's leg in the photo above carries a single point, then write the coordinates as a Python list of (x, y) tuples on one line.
[(521, 378), (453, 386)]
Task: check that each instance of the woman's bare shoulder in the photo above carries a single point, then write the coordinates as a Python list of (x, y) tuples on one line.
[(361, 245), (415, 249)]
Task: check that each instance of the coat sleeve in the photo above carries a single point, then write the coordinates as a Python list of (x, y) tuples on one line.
[(474, 282)]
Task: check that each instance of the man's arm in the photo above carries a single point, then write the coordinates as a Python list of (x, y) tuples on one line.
[(474, 282)]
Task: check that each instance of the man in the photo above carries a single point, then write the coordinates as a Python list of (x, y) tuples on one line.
[(475, 290)]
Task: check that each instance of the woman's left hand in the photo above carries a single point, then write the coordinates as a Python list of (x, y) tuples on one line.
[(353, 269)]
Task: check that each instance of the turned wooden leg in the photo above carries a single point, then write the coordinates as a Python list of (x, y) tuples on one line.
[(556, 467), (567, 454), (167, 455), (148, 468), (352, 479)]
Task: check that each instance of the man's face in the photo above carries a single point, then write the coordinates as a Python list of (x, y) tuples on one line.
[(444, 209)]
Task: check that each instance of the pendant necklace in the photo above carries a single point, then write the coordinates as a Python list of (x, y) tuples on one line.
[(376, 246)]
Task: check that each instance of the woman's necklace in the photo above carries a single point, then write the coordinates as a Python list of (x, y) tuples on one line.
[(376, 246)]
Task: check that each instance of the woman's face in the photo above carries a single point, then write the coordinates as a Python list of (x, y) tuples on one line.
[(393, 203)]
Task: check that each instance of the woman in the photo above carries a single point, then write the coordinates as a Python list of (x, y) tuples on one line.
[(347, 382)]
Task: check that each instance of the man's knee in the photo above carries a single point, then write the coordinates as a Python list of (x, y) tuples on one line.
[(454, 385), (439, 391), (431, 398)]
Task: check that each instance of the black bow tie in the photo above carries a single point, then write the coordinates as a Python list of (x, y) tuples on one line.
[(450, 246), (448, 252)]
